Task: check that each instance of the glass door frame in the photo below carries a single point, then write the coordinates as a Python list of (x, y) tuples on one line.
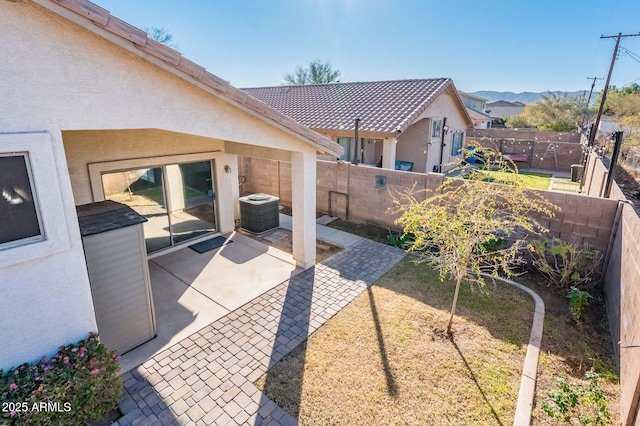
[(96, 170)]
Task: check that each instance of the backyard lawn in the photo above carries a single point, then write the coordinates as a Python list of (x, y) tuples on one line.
[(533, 180), (385, 359)]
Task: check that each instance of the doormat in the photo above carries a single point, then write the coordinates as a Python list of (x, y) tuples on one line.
[(213, 243)]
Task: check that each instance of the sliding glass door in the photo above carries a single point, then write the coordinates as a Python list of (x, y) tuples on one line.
[(176, 199)]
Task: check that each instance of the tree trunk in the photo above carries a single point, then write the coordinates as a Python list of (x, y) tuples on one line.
[(453, 307)]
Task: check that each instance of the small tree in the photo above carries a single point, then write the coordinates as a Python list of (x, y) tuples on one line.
[(557, 112), (317, 72), (518, 122), (473, 226)]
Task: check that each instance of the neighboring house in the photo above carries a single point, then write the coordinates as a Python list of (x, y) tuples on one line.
[(88, 101), (415, 125), (500, 109), (475, 108), (480, 120), (474, 102)]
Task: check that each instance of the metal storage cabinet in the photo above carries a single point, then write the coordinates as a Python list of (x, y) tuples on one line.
[(115, 253), (259, 213)]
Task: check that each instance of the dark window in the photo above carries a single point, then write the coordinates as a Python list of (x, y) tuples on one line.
[(18, 212), (435, 129), (456, 145)]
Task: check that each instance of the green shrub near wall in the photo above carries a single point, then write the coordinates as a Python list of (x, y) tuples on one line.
[(77, 384)]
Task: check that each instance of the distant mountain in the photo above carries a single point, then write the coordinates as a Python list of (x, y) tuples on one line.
[(524, 97)]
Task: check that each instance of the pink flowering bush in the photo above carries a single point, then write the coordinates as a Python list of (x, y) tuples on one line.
[(77, 384)]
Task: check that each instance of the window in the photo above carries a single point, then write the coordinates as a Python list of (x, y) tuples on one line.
[(176, 199), (349, 148), (19, 219), (456, 144), (436, 129)]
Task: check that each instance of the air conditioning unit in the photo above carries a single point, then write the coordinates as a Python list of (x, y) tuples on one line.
[(259, 213)]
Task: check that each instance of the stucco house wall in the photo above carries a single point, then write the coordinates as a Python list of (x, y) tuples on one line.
[(416, 139), (92, 99), (413, 145), (38, 310)]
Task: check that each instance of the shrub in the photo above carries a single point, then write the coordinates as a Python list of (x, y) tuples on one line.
[(402, 241), (578, 299), (77, 384), (571, 402), (565, 264)]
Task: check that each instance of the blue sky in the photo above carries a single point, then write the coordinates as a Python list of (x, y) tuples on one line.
[(523, 45)]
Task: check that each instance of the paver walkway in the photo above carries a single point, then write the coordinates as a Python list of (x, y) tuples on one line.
[(207, 377)]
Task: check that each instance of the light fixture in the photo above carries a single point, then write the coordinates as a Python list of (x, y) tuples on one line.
[(227, 168), (445, 129)]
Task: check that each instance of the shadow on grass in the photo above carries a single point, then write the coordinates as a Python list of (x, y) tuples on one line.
[(475, 380), (392, 388)]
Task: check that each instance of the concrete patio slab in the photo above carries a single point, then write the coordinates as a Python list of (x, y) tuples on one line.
[(232, 274), (180, 311), (191, 290)]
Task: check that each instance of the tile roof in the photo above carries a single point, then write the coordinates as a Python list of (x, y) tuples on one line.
[(500, 109), (382, 106), (477, 115), (98, 20), (470, 96)]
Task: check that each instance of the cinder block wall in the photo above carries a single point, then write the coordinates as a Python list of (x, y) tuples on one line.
[(595, 177), (567, 153), (622, 293), (583, 220), (531, 134)]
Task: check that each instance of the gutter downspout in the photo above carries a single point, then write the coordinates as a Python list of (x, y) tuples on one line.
[(444, 123)]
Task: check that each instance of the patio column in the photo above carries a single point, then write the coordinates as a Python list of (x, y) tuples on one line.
[(389, 153), (303, 200), (226, 177)]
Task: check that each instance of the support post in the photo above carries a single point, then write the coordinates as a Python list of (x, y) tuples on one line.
[(389, 153), (303, 200), (356, 158), (614, 163)]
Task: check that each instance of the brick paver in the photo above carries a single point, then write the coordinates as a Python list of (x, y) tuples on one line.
[(206, 379)]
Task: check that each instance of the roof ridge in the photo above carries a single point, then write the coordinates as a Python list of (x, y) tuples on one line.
[(424, 105), (345, 83)]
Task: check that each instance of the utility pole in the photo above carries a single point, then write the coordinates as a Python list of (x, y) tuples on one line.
[(592, 86), (603, 99)]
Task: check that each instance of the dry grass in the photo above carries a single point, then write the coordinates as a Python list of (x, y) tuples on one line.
[(384, 359)]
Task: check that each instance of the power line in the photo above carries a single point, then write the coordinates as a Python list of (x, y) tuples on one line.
[(629, 53), (630, 83)]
